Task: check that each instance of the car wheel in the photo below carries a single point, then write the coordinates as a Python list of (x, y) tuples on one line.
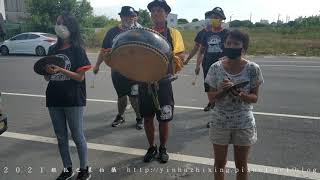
[(40, 51), (4, 50)]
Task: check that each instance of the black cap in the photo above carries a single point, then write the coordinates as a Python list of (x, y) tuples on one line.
[(128, 11), (207, 14), (219, 12), (160, 3)]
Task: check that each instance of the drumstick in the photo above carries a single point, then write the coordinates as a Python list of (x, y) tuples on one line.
[(93, 76), (194, 81)]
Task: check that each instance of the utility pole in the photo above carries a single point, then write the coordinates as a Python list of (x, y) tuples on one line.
[(250, 17), (231, 17), (278, 21)]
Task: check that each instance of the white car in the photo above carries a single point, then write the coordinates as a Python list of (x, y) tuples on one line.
[(28, 43)]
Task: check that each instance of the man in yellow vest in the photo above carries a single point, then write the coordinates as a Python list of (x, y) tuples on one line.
[(164, 110)]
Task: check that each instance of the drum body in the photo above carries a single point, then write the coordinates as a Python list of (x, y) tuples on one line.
[(141, 54)]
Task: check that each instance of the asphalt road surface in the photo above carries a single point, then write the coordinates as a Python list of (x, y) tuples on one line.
[(287, 117)]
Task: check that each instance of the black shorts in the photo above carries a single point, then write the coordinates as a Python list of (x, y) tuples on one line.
[(166, 101), (123, 85)]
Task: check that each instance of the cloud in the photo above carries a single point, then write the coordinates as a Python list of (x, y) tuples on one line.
[(117, 3)]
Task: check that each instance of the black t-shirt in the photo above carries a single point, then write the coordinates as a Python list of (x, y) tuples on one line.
[(108, 42), (213, 42), (63, 91), (111, 34), (199, 36)]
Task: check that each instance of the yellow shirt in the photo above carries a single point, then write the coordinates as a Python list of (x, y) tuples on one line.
[(178, 47), (177, 41)]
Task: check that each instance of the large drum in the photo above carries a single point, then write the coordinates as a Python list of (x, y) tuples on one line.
[(141, 54)]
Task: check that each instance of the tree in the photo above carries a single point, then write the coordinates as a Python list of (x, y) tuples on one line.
[(83, 12), (237, 23), (182, 21), (195, 20), (45, 12), (144, 18), (99, 21), (258, 24)]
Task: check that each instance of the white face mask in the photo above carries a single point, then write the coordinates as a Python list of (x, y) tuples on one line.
[(62, 31)]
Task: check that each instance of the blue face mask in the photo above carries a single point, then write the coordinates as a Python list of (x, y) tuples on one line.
[(233, 53)]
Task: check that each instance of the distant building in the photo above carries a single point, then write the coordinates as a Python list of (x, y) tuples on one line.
[(14, 9), (197, 25), (262, 21), (172, 20)]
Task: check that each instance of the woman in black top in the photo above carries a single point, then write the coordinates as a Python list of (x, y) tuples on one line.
[(66, 94)]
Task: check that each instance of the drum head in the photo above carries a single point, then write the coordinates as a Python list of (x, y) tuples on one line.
[(40, 66), (139, 62)]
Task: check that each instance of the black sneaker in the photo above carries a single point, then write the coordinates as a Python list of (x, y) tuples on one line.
[(84, 174), (119, 120), (208, 107), (139, 124), (151, 154), (163, 155), (67, 173)]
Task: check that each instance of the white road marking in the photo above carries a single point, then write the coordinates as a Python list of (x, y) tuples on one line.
[(173, 156), (178, 106), (283, 65)]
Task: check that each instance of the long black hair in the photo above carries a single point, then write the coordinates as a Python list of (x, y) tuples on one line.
[(73, 26)]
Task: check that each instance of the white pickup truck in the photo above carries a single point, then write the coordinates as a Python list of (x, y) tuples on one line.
[(3, 118)]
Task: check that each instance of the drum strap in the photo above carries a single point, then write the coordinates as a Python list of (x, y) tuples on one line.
[(153, 91), (170, 40)]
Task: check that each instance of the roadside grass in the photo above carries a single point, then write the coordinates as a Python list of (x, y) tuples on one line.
[(263, 41)]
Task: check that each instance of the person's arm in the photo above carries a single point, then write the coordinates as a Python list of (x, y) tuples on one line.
[(103, 54), (199, 62), (192, 53), (252, 97), (104, 51), (213, 92), (181, 55), (78, 76), (256, 81)]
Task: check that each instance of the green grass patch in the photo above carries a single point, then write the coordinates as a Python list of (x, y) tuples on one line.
[(263, 41)]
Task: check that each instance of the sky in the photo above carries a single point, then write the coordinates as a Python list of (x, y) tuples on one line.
[(235, 9)]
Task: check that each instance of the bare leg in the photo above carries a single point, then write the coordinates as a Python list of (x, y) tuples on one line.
[(241, 154), (122, 104), (149, 129), (164, 133), (220, 160), (134, 100)]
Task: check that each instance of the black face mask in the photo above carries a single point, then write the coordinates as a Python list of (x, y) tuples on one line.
[(233, 53)]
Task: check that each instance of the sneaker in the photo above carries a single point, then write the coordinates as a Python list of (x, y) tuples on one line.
[(119, 120), (151, 154), (139, 124), (208, 107), (66, 174), (163, 155), (84, 174)]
